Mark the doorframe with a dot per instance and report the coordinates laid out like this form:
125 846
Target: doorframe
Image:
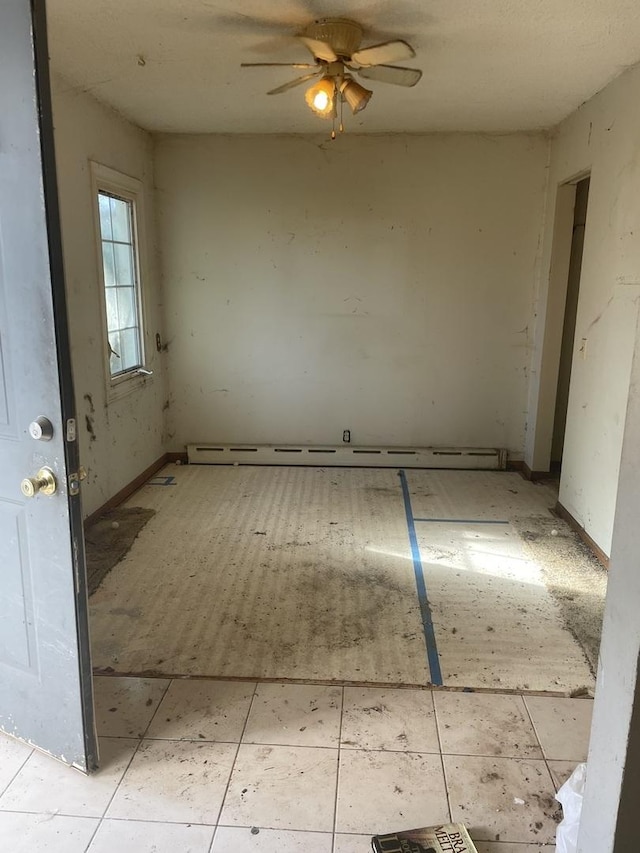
65 371
552 301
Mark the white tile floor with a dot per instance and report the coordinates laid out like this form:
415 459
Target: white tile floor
213 767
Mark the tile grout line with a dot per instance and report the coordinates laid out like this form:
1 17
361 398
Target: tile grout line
444 770
335 799
542 749
15 775
114 819
344 748
144 821
126 769
535 730
101 819
272 828
233 767
153 716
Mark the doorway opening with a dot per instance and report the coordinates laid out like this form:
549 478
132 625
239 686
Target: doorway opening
569 325
321 575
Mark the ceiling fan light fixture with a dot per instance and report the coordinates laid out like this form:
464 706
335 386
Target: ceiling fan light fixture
355 95
321 97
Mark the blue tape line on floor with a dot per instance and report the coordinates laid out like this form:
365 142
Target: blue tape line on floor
462 520
425 608
162 481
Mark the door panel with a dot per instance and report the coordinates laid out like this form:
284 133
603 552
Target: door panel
17 633
45 672
7 417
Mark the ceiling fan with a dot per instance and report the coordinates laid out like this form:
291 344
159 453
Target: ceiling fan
335 46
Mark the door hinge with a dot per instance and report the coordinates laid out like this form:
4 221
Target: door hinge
75 479
71 429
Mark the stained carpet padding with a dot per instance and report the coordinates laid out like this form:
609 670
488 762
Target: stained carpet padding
300 573
495 621
495 588
267 573
109 538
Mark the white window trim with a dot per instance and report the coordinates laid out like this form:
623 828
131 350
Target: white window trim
110 181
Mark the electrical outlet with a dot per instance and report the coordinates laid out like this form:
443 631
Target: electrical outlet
346 436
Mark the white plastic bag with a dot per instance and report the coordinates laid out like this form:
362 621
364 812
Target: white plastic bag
570 796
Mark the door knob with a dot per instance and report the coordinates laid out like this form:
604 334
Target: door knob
44 482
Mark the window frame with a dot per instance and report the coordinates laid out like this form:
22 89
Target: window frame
112 182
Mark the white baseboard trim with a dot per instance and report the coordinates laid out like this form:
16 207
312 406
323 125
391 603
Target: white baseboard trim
347 456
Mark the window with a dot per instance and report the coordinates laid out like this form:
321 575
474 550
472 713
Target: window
119 265
118 201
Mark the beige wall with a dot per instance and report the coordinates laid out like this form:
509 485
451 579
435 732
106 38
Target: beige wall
128 434
602 137
385 285
378 284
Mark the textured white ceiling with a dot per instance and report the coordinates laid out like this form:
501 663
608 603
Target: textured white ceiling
489 65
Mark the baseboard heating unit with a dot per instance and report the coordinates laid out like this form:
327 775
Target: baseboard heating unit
347 456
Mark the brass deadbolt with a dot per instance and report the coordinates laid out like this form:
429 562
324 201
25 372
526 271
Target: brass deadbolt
44 482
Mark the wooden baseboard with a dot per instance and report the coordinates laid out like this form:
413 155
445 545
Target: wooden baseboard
595 549
128 490
536 476
515 464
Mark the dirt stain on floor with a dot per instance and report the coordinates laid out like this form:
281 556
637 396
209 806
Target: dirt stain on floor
109 538
573 576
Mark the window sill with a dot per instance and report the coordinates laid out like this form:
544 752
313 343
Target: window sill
127 385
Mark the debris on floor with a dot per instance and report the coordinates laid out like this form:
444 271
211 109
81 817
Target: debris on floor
573 576
109 538
284 573
448 838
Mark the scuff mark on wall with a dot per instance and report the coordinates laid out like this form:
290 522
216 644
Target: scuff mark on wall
282 349
84 128
89 424
600 315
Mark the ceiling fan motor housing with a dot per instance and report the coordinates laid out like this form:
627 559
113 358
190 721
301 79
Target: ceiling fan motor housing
343 35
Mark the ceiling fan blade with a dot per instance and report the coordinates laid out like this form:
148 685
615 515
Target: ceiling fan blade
392 74
277 65
320 49
379 54
297 82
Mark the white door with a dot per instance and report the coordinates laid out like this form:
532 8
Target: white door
45 667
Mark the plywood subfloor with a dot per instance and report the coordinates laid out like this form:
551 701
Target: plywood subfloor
299 573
